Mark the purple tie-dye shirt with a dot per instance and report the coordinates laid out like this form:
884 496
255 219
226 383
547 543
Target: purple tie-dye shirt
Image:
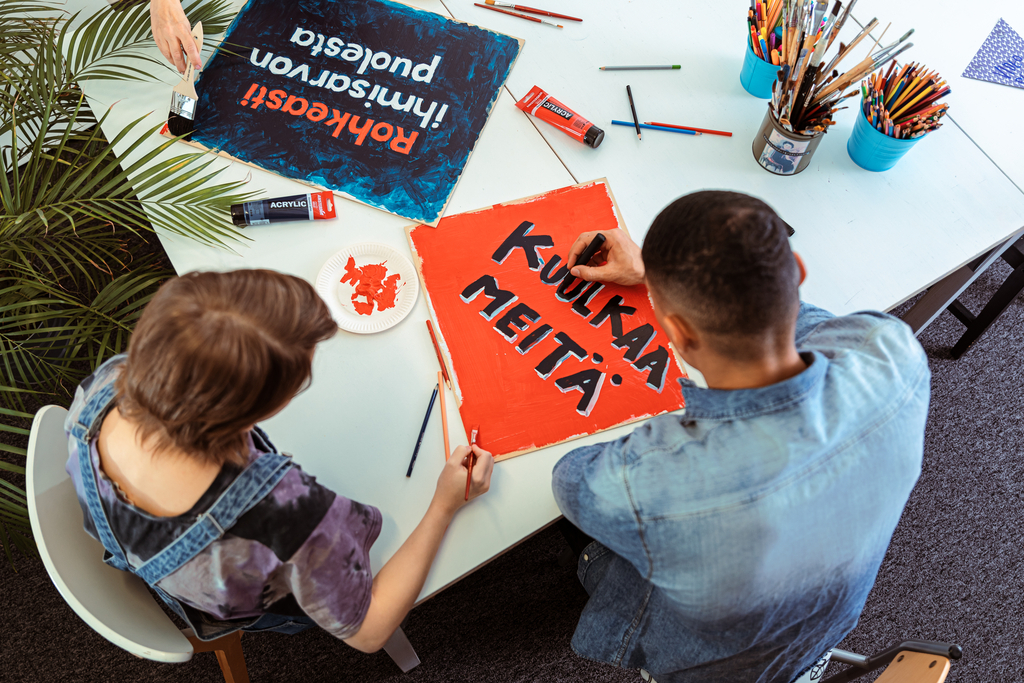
302 550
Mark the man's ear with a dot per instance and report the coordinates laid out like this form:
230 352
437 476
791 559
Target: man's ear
684 337
801 266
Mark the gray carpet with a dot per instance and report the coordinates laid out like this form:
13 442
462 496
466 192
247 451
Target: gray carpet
953 571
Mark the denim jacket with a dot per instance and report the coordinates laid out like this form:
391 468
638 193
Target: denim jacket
738 540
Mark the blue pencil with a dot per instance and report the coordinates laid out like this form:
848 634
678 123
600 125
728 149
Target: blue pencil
645 125
426 418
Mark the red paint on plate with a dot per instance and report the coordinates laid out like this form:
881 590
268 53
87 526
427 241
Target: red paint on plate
372 284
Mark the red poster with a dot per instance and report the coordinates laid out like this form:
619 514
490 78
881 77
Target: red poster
532 366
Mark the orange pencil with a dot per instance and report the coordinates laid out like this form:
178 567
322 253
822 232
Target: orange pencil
444 417
472 457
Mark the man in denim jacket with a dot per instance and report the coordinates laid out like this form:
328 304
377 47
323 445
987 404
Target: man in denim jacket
738 540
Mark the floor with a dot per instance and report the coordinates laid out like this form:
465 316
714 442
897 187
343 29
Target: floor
953 572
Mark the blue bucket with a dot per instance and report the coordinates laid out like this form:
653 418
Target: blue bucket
757 75
873 150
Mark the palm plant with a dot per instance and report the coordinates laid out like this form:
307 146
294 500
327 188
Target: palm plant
73 217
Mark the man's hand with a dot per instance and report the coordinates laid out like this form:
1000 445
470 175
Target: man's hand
173 33
622 262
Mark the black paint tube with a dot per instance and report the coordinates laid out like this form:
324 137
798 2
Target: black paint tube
299 207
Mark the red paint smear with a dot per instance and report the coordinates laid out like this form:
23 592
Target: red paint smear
501 391
370 282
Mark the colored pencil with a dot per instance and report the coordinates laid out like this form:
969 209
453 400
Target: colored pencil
472 458
440 358
903 104
642 68
423 428
632 108
517 14
697 130
531 10
667 129
444 419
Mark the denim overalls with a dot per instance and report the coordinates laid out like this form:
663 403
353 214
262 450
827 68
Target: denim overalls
248 489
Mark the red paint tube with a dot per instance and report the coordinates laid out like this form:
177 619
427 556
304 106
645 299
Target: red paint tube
546 108
299 207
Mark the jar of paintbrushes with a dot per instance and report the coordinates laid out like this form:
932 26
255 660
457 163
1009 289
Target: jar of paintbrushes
807 89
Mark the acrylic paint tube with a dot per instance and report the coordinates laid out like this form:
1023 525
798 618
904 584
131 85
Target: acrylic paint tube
299 207
546 108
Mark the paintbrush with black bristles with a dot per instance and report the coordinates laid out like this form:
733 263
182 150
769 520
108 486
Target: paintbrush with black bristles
181 117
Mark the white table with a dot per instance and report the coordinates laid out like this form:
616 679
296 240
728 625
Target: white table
870 240
946 38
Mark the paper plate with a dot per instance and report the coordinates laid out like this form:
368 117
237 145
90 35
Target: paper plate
370 309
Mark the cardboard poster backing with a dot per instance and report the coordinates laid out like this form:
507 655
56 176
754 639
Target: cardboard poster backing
254 163
530 411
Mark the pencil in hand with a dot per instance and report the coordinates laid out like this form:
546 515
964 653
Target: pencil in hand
472 458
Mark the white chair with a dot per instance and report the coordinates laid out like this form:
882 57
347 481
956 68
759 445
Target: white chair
115 604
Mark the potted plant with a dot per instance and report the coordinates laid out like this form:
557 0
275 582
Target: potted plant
78 256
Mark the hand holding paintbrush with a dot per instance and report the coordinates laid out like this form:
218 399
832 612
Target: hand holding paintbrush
449 495
181 117
474 466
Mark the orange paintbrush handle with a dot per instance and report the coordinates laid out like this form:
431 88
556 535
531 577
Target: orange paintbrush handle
472 458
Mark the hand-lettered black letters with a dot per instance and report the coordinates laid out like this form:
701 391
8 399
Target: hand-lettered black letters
613 310
520 238
519 316
489 286
566 347
587 381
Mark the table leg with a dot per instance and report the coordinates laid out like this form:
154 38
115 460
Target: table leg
993 309
945 291
400 650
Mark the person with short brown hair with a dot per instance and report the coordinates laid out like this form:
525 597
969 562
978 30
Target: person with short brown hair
185 491
736 540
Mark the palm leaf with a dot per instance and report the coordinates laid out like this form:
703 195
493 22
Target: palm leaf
47 333
71 290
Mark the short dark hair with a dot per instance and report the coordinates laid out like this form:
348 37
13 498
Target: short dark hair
724 258
214 353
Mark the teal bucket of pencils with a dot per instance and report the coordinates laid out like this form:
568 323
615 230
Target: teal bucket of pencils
897 110
757 75
872 149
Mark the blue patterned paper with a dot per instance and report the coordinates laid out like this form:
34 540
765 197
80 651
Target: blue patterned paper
1000 59
308 75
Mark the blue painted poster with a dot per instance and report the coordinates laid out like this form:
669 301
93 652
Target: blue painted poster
374 99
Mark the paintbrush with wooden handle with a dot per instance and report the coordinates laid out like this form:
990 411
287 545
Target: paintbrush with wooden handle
181 117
